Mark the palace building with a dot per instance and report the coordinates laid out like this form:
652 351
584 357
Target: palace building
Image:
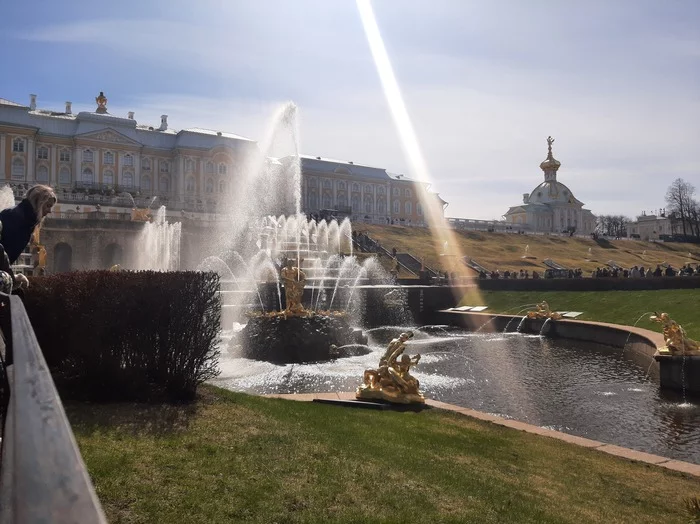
103 165
551 207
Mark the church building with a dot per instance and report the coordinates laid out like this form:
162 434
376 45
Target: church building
551 207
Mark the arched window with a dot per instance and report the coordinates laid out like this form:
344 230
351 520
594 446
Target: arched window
127 180
368 205
381 206
356 187
209 168
164 166
355 203
341 185
326 184
87 156
342 200
395 191
64 176
222 186
146 183
189 184
108 158
146 164
128 160
313 200
88 177
189 165
397 207
164 185
368 188
62 258
223 169
18 145
419 209
327 201
42 153
64 155
380 190
408 208
42 174
407 193
313 182
108 177
209 186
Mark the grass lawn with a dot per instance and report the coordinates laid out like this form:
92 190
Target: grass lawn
237 458
505 251
616 307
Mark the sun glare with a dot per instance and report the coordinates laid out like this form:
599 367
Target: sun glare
445 240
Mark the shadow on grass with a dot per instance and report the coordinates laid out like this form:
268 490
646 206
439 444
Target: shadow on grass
136 418
604 243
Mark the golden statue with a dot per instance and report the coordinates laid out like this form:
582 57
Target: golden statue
115 268
677 342
141 215
543 312
392 380
38 250
101 103
294 281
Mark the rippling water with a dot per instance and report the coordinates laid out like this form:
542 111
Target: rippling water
581 388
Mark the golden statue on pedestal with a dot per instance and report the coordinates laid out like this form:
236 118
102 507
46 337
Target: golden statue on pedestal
141 215
543 312
677 342
101 101
392 380
294 281
38 252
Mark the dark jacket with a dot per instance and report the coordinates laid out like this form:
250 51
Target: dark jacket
18 224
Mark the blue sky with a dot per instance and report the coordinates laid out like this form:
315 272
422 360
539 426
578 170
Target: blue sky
616 83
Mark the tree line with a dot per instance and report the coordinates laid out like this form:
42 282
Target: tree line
683 210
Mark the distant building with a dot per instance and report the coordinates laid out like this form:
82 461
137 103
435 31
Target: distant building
650 227
551 206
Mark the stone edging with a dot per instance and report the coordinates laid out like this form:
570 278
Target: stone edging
618 451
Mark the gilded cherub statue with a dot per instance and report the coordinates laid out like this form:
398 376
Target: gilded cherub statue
392 380
294 281
543 312
677 342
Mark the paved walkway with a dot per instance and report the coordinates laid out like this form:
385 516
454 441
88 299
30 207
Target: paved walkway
639 456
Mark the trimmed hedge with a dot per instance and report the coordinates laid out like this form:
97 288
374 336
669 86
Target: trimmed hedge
127 336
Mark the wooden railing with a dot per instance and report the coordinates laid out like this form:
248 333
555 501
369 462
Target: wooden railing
42 475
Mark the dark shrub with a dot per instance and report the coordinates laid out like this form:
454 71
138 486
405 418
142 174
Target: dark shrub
116 336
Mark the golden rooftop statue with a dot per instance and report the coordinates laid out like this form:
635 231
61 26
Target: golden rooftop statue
550 162
101 103
392 380
675 338
543 312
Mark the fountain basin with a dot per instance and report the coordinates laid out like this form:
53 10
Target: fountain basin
679 372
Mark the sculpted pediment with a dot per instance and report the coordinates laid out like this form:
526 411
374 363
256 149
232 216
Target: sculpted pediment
110 136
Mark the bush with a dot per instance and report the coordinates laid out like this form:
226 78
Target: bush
127 336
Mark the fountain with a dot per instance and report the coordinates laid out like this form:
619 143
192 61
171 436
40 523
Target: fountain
527 252
679 358
158 245
543 312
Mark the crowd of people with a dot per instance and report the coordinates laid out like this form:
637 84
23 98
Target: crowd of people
642 272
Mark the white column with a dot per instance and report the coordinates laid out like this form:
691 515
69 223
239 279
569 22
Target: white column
76 164
31 153
181 174
335 194
137 169
2 156
53 163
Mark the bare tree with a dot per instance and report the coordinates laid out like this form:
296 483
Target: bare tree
612 225
679 198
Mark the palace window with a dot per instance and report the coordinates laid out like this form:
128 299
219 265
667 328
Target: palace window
42 174
87 156
326 184
164 185
313 182
189 184
189 165
18 168
222 187
407 193
146 164
164 166
18 145
356 188
355 203
380 190
145 183
64 155
209 168
88 176
128 160
209 186
397 207
42 153
381 206
368 206
327 202
223 169
395 192
313 200
342 200
127 180
108 158
64 176
341 186
419 209
368 188
108 177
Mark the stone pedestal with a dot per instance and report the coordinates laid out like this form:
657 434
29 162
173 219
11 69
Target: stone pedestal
679 372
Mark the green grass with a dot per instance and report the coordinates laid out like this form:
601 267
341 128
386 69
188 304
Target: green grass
616 307
237 458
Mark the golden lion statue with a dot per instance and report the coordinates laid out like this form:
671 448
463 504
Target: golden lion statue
677 342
